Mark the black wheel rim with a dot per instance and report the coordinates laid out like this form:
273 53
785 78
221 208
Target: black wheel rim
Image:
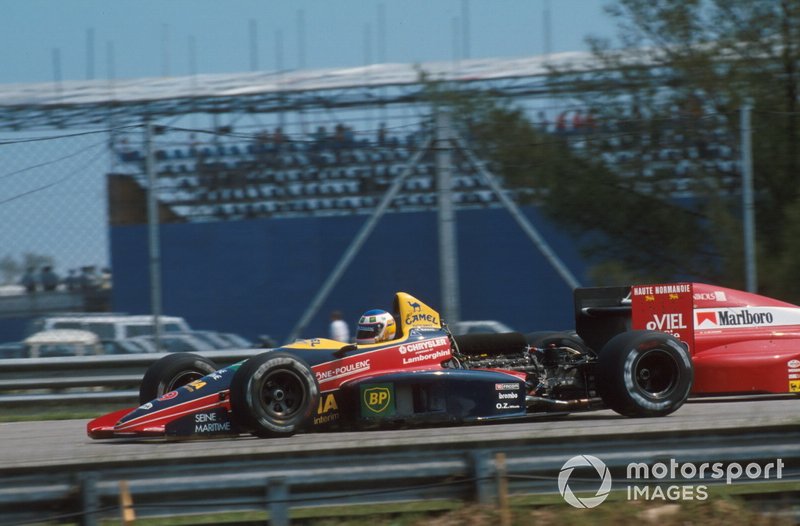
282 394
656 373
182 378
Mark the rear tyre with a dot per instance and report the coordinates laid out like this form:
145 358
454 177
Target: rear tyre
644 374
172 371
274 394
545 339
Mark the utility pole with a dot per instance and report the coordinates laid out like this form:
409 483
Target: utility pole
448 250
154 243
355 245
748 206
253 33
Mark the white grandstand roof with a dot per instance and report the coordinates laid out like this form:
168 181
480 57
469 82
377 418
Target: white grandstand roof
88 92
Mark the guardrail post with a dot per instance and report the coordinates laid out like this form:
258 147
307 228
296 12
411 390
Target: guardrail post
502 489
278 501
90 498
482 463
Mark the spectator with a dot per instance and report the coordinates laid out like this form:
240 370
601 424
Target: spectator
105 278
382 134
561 123
50 279
278 138
88 278
320 138
349 137
577 121
541 121
339 330
72 281
30 280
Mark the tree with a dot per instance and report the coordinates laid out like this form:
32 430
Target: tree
685 68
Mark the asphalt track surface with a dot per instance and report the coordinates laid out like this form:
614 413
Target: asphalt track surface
64 443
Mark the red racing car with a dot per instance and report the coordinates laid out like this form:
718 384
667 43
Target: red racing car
638 350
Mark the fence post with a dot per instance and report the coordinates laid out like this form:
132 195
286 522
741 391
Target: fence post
90 499
127 513
748 203
277 501
482 473
502 489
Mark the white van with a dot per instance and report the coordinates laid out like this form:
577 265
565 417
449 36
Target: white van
112 326
62 342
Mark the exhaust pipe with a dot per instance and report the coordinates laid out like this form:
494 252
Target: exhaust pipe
562 405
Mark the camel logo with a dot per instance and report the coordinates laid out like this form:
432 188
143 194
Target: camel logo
416 306
584 461
376 400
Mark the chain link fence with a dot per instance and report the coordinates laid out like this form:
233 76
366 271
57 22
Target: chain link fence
53 211
254 216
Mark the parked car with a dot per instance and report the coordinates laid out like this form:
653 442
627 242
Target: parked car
13 350
62 342
220 340
112 326
128 346
478 327
175 342
236 341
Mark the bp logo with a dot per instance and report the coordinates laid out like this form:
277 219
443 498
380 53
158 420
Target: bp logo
584 461
377 400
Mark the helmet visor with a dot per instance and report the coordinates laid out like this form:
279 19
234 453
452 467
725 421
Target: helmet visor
369 331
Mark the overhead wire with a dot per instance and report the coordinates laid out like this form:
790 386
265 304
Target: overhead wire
57 182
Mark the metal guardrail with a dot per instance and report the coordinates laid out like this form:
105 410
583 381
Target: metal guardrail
360 475
26 381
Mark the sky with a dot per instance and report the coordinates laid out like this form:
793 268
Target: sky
45 40
153 37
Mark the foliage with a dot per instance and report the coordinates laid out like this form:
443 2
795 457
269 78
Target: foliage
686 69
651 182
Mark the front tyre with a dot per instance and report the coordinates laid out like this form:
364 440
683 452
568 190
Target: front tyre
644 374
274 394
172 371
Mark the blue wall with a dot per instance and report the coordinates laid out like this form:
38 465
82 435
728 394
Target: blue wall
258 276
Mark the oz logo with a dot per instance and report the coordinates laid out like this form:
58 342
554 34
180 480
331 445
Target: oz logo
584 461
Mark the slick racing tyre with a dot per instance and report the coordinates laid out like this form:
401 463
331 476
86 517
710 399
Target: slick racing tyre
274 394
644 373
173 371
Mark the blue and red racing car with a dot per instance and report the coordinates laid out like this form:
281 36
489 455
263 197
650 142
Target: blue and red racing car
638 350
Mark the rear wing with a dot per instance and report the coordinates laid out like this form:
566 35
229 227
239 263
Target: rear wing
603 312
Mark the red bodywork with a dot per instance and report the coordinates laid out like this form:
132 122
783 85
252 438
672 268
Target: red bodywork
740 342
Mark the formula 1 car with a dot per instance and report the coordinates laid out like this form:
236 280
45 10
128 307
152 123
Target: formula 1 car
638 350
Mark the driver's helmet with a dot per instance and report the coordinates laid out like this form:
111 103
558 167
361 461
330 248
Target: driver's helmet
375 326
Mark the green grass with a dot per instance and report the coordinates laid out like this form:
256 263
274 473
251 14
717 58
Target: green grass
722 507
53 411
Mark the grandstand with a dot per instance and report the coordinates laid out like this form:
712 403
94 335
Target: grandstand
263 178
318 150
